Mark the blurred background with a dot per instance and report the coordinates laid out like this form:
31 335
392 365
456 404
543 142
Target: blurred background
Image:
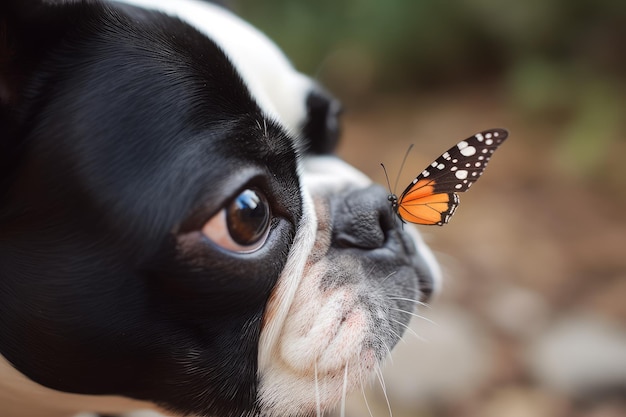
532 317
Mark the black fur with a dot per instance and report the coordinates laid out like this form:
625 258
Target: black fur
115 131
322 126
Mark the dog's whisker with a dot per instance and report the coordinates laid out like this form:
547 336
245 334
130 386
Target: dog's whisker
381 379
419 303
382 341
388 350
379 374
415 315
410 330
397 335
345 390
368 274
388 276
362 387
318 403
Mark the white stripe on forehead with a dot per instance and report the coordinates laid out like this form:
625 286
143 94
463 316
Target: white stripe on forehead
279 90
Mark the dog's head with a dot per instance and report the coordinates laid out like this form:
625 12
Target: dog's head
173 228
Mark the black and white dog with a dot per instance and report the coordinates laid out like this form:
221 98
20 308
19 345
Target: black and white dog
175 234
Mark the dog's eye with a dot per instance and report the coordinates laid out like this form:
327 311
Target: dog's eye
243 225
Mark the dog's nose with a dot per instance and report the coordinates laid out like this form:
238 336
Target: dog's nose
362 218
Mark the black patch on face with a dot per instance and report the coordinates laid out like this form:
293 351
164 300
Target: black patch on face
123 129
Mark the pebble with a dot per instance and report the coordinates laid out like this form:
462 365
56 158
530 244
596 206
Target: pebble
579 355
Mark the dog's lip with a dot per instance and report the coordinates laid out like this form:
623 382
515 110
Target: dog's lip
330 339
352 321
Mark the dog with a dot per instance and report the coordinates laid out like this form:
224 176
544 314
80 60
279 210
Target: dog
175 232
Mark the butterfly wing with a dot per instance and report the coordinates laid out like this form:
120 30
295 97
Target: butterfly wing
432 197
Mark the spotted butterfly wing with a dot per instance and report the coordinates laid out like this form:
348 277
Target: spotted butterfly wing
431 198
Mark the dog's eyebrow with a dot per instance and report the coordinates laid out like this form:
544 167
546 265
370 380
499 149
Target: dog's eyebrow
264 128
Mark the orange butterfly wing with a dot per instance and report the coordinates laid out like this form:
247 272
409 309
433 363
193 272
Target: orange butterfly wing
422 205
431 199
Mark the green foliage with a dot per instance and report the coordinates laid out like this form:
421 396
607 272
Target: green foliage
559 61
419 42
586 142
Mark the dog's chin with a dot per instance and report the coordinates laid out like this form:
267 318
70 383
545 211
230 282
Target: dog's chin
347 308
327 347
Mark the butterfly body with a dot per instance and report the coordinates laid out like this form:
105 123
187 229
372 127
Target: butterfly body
431 198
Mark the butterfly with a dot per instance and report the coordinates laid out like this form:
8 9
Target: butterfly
432 198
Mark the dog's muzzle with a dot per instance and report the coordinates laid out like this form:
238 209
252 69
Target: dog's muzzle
364 221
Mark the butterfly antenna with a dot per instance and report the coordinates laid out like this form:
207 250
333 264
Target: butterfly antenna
386 177
406 155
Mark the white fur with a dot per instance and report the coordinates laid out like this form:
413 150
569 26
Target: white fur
323 172
288 283
280 91
315 173
315 345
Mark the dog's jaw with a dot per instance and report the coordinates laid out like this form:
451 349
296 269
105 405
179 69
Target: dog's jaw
327 329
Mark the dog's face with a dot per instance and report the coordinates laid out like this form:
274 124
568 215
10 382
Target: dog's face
173 229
